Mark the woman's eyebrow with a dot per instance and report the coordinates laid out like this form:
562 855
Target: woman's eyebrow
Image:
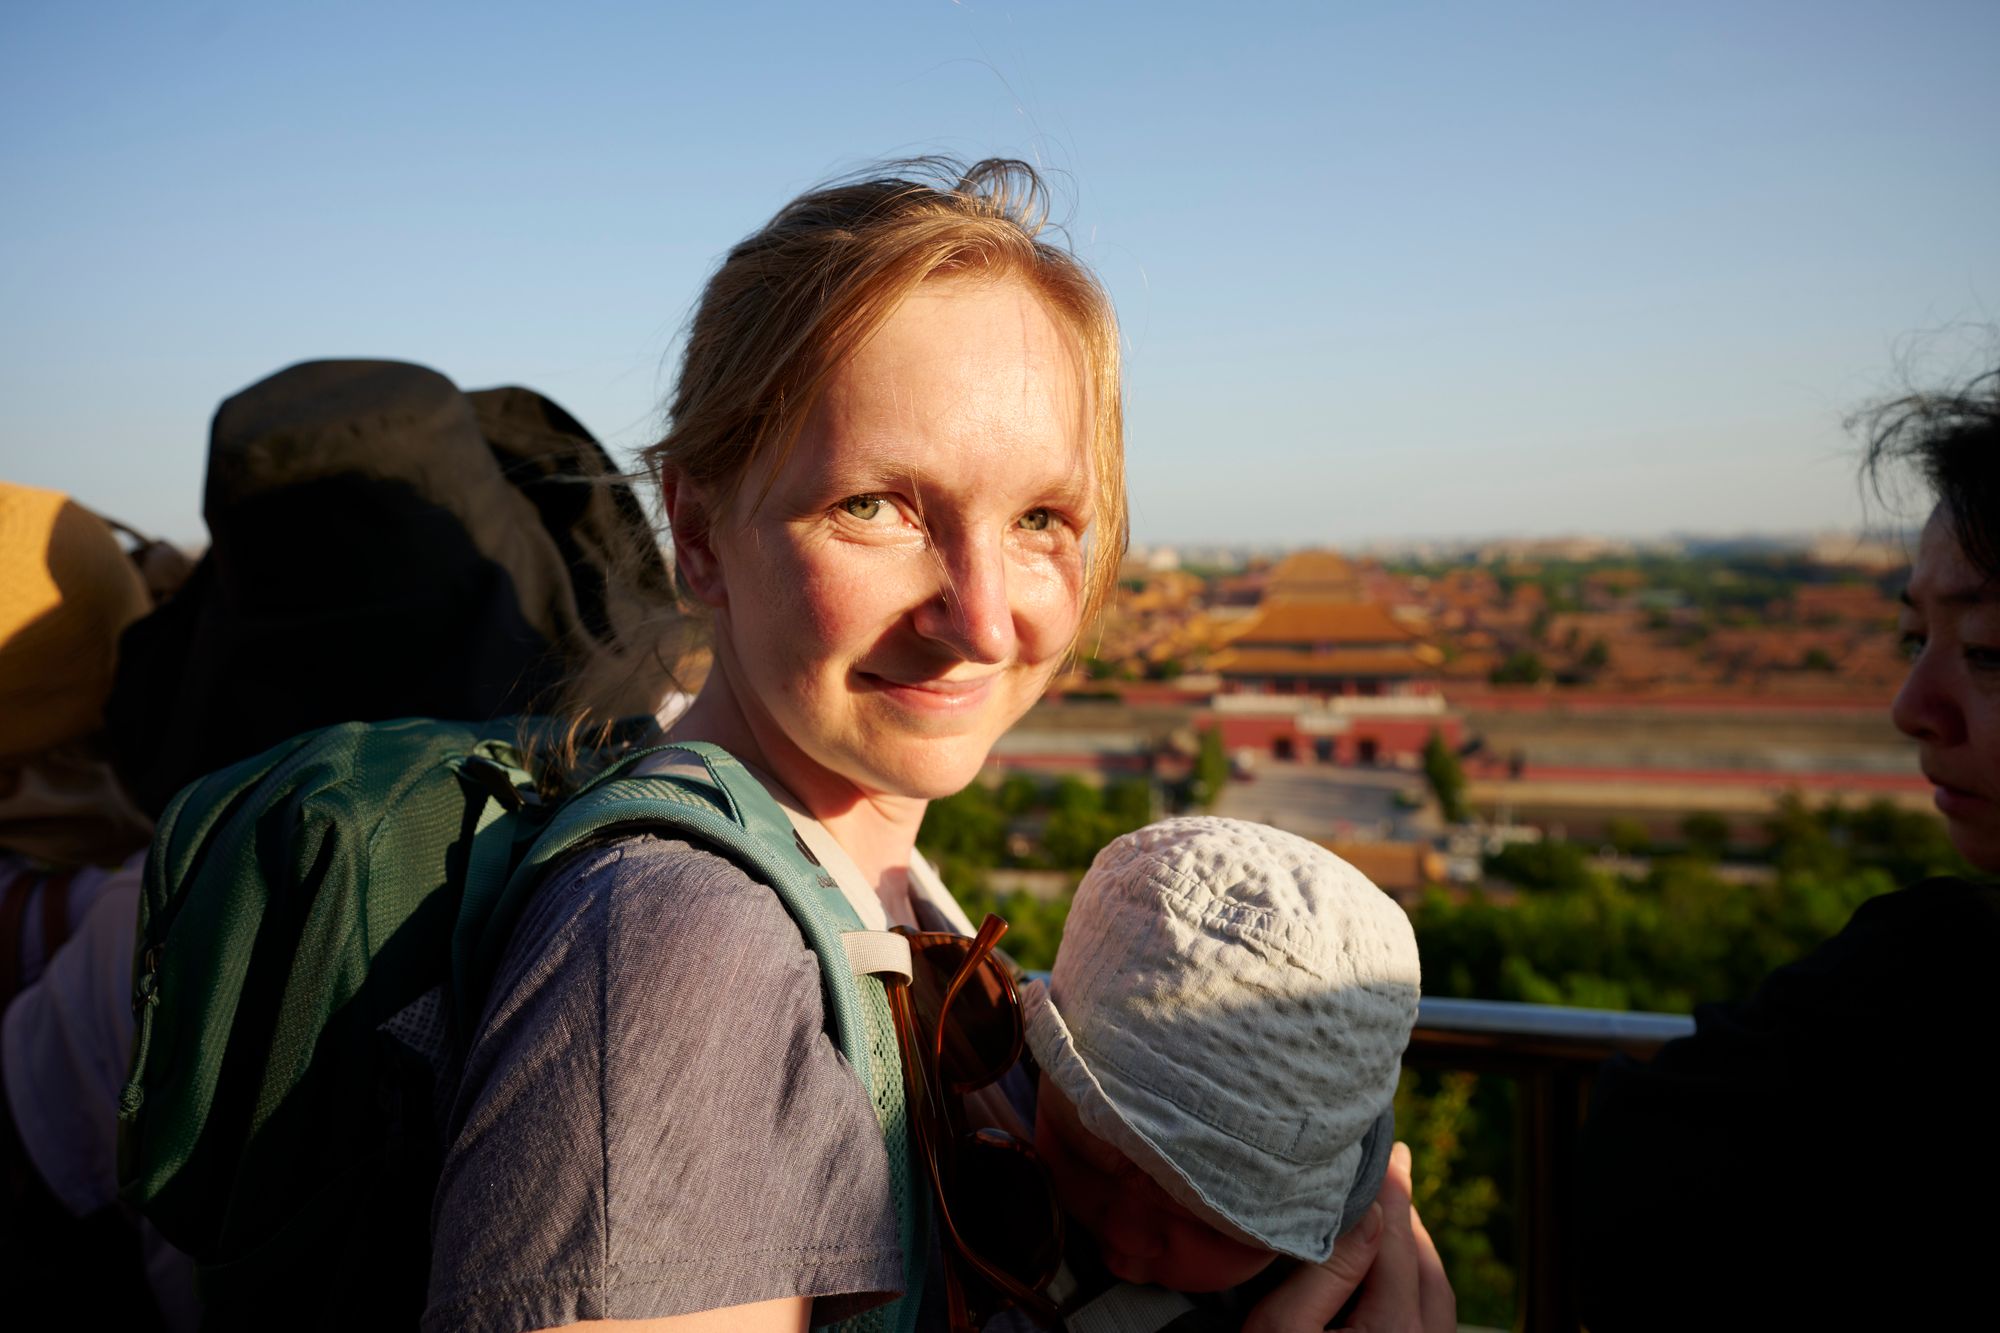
1979 594
869 471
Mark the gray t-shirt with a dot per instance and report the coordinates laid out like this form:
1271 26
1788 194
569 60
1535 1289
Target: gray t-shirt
651 1118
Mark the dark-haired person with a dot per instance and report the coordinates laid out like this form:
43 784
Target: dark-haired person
1820 1155
71 848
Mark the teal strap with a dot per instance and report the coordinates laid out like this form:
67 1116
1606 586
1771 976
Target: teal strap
743 798
486 875
729 811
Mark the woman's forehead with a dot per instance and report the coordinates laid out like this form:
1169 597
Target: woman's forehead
972 377
1942 572
996 338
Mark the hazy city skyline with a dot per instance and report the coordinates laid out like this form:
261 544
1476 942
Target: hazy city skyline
1385 274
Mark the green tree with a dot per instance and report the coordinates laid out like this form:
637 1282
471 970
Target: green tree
967 826
1211 769
1074 796
1521 668
1446 777
1908 844
1454 1165
1034 924
1085 818
1628 837
1548 864
1019 794
1128 803
1707 834
1807 844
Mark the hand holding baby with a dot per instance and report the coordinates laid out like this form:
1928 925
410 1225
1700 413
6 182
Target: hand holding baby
1400 1276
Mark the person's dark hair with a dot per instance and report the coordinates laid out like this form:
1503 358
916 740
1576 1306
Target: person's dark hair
1952 441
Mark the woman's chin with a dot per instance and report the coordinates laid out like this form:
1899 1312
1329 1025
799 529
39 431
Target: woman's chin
1977 841
927 771
936 783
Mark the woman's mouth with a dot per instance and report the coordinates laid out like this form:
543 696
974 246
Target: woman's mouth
1958 803
931 695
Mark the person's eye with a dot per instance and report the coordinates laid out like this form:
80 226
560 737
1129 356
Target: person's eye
1039 520
1910 645
1982 659
866 508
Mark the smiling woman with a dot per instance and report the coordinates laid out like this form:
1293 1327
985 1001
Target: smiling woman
894 481
915 569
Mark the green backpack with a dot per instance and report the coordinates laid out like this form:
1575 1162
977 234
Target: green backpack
319 923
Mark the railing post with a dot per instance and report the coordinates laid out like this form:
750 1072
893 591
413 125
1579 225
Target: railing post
1553 1053
1548 1121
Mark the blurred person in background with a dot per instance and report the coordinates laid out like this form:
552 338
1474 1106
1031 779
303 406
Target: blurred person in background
384 545
1818 1155
71 848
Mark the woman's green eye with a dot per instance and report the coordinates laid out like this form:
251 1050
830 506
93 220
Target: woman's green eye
863 507
1038 520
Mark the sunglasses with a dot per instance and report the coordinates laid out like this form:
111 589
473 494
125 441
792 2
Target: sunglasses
958 1022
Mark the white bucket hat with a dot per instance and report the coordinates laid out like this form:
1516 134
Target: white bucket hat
1229 1011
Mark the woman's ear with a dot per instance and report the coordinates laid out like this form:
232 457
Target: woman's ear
696 568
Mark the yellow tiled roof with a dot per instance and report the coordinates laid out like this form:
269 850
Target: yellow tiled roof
1308 620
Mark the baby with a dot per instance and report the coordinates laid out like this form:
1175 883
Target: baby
1218 1044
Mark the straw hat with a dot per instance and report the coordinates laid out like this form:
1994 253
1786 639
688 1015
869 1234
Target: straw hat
67 589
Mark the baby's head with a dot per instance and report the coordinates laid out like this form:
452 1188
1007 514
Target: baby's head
1219 1043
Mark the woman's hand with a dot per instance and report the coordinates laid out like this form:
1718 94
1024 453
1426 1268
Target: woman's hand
1388 1258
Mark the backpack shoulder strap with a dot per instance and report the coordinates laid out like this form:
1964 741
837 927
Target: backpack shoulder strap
718 804
725 809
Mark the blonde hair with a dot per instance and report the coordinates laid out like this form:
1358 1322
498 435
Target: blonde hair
795 300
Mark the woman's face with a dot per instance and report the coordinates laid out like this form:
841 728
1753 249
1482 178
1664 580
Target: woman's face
1950 702
914 576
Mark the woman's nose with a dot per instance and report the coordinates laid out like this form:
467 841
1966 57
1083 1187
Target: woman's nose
1926 708
971 612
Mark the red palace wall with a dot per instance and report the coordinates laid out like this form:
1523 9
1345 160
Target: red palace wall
1383 740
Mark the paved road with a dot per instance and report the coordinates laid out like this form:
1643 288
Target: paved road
1326 802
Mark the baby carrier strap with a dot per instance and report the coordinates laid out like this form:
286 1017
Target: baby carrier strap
728 811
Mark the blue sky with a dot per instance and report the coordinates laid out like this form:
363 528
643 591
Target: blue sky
1385 270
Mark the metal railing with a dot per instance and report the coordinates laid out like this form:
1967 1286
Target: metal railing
1553 1054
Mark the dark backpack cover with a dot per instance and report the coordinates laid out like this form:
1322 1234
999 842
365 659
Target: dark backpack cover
382 546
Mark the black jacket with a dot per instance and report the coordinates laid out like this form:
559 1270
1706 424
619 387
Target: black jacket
1821 1155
